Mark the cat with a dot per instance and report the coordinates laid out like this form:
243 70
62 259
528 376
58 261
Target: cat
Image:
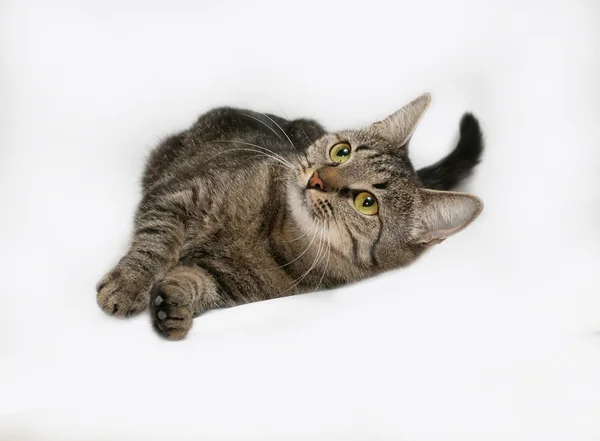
246 206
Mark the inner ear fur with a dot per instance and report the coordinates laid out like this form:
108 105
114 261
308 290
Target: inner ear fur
444 213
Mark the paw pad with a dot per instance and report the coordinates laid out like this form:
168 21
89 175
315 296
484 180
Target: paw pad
171 314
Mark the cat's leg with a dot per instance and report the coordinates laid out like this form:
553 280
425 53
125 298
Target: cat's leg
184 293
158 237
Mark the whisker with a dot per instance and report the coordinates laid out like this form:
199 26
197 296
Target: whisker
266 150
313 266
327 263
283 178
302 235
271 156
301 125
283 111
307 248
322 258
263 123
282 131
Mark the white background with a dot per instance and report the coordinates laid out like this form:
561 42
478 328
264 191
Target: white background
493 335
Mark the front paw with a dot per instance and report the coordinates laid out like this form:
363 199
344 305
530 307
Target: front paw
171 310
124 291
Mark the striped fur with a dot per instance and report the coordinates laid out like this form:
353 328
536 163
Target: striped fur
226 217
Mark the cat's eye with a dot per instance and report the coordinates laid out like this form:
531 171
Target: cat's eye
366 203
340 152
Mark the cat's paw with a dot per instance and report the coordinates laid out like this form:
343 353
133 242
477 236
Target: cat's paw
124 291
171 310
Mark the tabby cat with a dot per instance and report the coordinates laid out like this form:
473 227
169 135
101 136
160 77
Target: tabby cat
246 206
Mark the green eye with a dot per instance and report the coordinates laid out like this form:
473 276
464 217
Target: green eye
366 203
340 152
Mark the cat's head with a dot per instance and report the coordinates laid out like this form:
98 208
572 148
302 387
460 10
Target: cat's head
360 186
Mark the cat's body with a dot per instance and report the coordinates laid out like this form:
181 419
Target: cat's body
237 210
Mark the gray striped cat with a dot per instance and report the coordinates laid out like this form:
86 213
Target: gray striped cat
246 206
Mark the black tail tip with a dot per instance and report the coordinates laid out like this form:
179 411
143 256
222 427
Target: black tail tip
471 137
469 125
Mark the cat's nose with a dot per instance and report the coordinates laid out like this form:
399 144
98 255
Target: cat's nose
316 183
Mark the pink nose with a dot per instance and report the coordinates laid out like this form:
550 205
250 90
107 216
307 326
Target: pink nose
316 183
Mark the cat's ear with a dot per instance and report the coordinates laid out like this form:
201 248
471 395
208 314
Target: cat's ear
444 213
401 124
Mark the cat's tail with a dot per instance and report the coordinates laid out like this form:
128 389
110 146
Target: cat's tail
447 173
